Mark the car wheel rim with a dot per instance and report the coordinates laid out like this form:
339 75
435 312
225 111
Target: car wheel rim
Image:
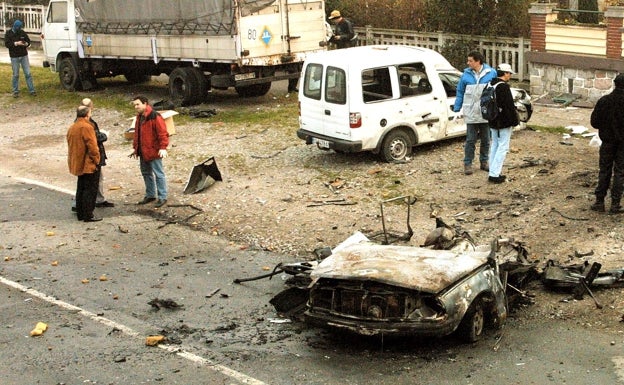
397 150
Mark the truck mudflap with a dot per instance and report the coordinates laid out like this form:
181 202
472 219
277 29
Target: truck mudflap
329 143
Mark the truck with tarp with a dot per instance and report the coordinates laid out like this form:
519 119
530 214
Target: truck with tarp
199 44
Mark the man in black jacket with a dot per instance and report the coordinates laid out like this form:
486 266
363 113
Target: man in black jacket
343 34
503 124
608 118
17 41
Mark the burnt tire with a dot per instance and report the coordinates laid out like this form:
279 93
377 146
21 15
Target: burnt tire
253 90
471 326
69 75
396 146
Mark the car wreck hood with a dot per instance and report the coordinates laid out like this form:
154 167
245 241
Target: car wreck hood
405 266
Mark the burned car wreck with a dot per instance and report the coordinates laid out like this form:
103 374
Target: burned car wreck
373 289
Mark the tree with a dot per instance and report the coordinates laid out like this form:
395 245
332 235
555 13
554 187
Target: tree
508 18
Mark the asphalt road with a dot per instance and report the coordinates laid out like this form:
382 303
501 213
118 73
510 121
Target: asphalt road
98 327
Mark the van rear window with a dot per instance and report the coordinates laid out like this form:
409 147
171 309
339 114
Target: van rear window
312 81
335 86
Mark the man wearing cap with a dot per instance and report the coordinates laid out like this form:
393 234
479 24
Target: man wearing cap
503 124
17 41
343 34
608 118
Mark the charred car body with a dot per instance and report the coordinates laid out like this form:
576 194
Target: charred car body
373 289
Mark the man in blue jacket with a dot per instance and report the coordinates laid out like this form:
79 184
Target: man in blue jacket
467 101
17 41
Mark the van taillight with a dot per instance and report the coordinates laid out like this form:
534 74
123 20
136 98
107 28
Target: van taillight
355 119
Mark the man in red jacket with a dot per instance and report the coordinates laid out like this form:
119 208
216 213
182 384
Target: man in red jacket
83 159
150 146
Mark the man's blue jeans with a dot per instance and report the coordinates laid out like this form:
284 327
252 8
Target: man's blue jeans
154 177
22 61
474 131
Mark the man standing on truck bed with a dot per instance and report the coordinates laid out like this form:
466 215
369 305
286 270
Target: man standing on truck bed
468 98
17 41
343 35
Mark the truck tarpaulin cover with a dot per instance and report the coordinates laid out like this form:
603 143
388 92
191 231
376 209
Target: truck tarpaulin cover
169 17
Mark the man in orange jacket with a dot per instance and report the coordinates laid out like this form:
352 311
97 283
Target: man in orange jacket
83 159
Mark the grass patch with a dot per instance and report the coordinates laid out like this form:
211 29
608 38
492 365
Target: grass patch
551 130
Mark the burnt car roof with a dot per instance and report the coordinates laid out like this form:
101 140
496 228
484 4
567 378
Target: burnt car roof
406 266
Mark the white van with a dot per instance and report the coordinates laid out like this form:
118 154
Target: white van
384 99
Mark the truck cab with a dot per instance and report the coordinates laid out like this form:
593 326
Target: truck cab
384 99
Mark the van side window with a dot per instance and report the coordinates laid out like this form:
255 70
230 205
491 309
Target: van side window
376 84
413 79
57 12
335 86
312 81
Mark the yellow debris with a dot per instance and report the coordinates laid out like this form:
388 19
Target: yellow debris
85 281
49 233
154 340
54 263
103 277
39 329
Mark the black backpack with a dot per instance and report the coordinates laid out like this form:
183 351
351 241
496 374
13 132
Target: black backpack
489 107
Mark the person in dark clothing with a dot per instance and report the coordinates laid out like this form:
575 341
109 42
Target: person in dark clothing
17 41
343 34
83 159
608 118
502 126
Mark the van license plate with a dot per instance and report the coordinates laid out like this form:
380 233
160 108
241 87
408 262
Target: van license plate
321 142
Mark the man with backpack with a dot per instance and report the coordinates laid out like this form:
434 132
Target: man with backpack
343 33
467 101
502 118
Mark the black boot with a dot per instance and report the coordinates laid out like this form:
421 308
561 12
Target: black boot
616 208
598 205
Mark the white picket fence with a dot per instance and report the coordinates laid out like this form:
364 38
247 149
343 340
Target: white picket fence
496 50
31 15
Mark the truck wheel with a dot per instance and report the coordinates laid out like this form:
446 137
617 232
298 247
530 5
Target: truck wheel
201 85
253 90
181 87
136 77
69 75
471 326
396 146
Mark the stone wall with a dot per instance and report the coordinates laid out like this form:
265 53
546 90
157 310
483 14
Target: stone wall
589 84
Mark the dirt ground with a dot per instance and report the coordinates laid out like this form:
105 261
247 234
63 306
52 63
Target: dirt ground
280 195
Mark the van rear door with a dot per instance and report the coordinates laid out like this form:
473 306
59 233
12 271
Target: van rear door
324 109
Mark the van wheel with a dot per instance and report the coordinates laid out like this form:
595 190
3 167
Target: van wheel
396 146
69 76
471 327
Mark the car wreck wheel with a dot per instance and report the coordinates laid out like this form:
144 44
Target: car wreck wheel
471 327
